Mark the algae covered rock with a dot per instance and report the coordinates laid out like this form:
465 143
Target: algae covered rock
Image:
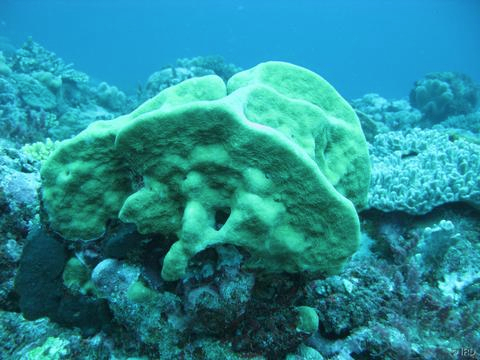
274 162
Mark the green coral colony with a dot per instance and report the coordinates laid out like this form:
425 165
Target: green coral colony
276 154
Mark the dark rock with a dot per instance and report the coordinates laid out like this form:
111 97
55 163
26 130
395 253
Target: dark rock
39 279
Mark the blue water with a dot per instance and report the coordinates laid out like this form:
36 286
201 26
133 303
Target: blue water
359 46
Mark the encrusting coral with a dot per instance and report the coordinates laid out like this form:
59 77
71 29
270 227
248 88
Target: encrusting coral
418 170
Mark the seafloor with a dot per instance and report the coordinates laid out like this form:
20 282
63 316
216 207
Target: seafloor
411 291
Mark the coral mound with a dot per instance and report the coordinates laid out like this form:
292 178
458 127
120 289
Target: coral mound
275 162
443 94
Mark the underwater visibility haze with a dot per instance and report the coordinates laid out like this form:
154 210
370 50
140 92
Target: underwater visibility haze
239 179
377 46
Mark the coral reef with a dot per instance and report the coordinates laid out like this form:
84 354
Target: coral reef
213 188
39 150
416 170
19 207
41 96
42 340
40 286
387 114
388 304
410 291
145 314
442 94
186 69
469 122
211 64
